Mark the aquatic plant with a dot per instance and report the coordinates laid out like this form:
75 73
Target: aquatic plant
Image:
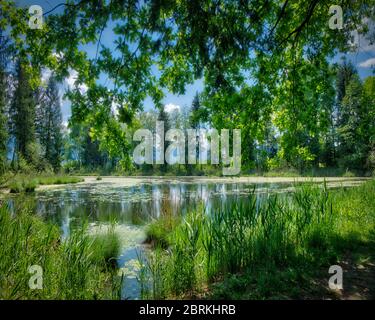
68 269
305 230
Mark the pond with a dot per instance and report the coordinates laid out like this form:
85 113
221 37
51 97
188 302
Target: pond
133 203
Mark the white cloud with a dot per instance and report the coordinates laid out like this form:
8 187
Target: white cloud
360 42
71 82
46 74
368 63
170 107
58 55
115 106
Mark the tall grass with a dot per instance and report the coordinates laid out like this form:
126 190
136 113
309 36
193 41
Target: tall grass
28 183
58 179
72 267
306 229
106 248
17 186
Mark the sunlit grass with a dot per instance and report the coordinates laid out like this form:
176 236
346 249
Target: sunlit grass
253 243
58 180
73 268
28 183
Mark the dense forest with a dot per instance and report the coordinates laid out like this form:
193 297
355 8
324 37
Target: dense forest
338 133
298 110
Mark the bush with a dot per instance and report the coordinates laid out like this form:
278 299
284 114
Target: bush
71 166
30 186
58 180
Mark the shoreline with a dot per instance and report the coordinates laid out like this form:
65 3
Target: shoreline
118 181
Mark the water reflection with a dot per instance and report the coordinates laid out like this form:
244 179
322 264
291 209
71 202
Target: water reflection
132 207
135 205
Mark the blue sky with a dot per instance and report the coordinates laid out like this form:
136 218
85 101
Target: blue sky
363 59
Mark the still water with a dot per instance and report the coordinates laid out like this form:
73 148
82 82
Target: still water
133 206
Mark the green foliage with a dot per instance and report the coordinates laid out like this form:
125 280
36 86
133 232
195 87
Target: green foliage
159 230
49 124
266 54
265 73
3 105
69 272
251 242
23 115
28 183
17 186
58 179
106 248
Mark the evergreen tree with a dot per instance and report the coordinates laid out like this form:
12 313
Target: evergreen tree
367 127
345 74
351 148
331 152
23 115
50 124
83 150
163 116
3 103
194 116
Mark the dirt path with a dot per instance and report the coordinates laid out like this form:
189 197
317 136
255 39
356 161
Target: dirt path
358 277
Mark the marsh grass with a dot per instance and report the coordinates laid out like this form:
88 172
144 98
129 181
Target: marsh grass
106 248
28 183
255 243
19 186
158 232
48 180
69 269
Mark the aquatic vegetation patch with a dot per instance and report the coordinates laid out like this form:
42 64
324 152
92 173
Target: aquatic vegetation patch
252 242
71 268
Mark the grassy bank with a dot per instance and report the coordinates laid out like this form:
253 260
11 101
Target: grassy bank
28 183
260 250
78 267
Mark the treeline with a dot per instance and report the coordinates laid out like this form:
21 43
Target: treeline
32 135
293 137
341 136
31 121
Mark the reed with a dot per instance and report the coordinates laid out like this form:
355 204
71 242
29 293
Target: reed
69 270
304 230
